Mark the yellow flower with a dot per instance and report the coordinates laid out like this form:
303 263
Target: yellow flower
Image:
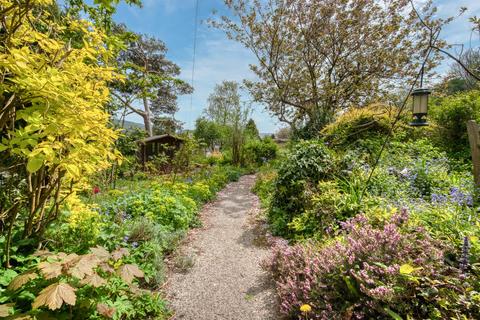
305 308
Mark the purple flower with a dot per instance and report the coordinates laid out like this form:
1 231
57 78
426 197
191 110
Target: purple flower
368 257
438 198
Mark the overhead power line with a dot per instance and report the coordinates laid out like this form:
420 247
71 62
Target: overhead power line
195 31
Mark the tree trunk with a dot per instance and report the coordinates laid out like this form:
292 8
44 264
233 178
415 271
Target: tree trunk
147 118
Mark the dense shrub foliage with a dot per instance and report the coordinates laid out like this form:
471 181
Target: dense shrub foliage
402 246
309 163
139 223
260 151
359 123
452 113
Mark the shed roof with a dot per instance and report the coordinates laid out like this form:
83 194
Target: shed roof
159 137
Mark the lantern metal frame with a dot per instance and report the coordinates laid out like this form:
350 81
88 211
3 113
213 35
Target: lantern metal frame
419 119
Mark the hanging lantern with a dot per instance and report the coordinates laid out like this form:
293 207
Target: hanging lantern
420 107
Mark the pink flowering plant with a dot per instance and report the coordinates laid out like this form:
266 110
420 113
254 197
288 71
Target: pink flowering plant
390 269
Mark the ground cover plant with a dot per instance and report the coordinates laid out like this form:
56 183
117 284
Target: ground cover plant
113 249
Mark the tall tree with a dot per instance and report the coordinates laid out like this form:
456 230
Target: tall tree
251 129
150 81
315 58
222 102
167 124
469 60
227 110
208 132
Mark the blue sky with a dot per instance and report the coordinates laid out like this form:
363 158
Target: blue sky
218 58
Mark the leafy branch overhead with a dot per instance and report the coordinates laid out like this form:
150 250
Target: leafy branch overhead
317 58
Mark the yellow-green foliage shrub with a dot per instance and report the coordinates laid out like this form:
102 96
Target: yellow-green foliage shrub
358 123
78 228
320 212
264 185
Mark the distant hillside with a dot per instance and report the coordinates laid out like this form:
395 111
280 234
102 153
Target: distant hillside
128 125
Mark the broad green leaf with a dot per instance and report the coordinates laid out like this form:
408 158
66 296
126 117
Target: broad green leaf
35 163
7 276
392 314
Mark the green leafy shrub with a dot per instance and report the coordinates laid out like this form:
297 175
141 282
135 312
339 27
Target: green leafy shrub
451 114
163 206
78 228
320 213
150 242
451 222
331 203
306 165
260 151
127 141
264 186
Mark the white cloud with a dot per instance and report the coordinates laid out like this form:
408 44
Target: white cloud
218 59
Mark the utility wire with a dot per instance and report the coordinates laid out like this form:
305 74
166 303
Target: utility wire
195 31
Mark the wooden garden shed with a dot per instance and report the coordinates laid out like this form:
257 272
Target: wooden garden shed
166 144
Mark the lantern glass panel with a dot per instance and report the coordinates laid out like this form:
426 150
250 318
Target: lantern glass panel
417 104
424 103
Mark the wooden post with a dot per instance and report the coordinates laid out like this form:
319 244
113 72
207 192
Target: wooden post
474 138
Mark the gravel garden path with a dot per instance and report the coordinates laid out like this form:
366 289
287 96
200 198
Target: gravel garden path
217 273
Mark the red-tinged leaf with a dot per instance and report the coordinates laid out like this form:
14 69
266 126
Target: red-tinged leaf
101 253
94 280
136 290
120 253
129 271
50 270
83 266
107 268
43 253
105 310
70 259
54 296
5 309
21 279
